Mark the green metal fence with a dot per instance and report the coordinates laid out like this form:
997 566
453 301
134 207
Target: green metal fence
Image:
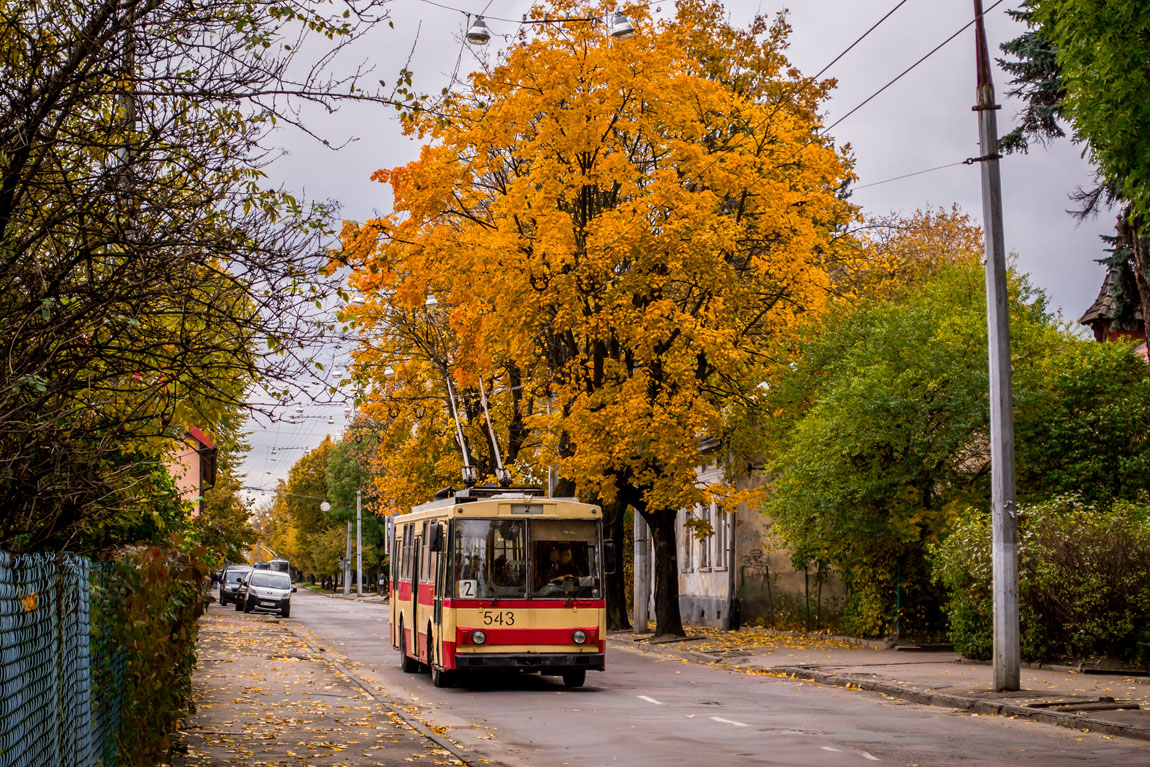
60 691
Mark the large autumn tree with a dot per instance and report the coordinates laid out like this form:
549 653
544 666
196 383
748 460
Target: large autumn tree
626 227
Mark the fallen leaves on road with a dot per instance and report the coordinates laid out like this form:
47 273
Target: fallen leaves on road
757 640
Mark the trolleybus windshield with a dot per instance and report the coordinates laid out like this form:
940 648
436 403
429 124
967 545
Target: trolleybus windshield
516 559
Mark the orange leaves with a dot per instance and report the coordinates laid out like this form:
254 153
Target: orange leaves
629 226
898 254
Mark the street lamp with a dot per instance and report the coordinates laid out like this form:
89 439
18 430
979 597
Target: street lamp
622 28
618 26
477 33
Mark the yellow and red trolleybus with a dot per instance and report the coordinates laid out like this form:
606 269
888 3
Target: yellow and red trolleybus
494 578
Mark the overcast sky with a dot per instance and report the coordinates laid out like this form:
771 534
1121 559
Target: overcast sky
923 121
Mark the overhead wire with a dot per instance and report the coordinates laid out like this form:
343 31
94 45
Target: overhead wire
906 71
787 98
822 133
910 175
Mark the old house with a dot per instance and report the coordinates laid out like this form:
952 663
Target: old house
192 464
1117 313
740 574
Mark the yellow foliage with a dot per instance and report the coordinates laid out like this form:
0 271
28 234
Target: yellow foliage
899 253
617 235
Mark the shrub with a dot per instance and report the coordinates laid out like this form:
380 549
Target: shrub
147 609
1084 581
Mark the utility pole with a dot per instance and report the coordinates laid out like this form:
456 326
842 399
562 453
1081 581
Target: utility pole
1004 525
358 538
642 575
347 559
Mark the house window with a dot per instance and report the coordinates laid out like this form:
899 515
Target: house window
722 522
688 542
705 543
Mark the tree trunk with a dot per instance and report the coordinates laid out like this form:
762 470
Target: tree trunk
615 586
667 617
1139 244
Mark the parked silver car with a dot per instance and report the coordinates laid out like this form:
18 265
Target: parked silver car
230 581
265 590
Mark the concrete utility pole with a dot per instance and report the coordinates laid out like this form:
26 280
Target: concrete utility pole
642 585
347 559
358 541
1004 525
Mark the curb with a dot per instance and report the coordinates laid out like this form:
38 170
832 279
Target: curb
966 703
371 600
960 702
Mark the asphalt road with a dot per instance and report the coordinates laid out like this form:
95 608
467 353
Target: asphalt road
648 710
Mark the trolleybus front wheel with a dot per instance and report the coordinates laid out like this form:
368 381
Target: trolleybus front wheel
438 678
575 677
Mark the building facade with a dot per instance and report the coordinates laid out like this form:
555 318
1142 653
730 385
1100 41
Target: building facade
192 465
741 574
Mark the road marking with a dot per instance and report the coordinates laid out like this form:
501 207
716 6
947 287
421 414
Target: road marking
727 721
649 699
828 748
872 758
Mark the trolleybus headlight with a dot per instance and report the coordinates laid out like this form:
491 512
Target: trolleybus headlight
478 636
580 636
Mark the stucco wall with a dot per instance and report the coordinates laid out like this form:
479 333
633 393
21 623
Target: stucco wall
771 591
184 467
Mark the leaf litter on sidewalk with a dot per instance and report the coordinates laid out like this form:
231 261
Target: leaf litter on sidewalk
265 699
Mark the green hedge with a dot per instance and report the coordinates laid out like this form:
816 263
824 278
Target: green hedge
147 608
1084 582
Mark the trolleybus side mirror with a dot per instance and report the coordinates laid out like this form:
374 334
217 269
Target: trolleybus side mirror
436 541
609 559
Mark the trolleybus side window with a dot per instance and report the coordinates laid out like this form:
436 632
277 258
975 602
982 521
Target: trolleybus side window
405 571
564 557
424 556
490 558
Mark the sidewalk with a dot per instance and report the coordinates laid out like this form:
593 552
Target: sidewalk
265 696
1111 704
370 597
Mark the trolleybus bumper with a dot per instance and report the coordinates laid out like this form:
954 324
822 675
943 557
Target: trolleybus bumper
547 663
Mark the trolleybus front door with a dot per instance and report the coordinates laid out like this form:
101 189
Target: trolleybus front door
440 540
415 597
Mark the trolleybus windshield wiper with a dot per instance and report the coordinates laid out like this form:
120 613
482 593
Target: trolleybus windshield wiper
575 595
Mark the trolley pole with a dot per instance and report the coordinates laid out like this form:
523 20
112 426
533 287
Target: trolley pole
1004 525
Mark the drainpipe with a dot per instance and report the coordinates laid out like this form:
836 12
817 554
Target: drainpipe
733 608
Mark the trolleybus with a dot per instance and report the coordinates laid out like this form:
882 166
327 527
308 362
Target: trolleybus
494 578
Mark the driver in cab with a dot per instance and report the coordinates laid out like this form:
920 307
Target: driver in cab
562 573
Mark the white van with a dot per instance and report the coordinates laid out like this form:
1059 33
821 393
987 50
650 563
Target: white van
265 590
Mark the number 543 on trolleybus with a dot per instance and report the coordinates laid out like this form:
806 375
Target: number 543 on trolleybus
495 578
